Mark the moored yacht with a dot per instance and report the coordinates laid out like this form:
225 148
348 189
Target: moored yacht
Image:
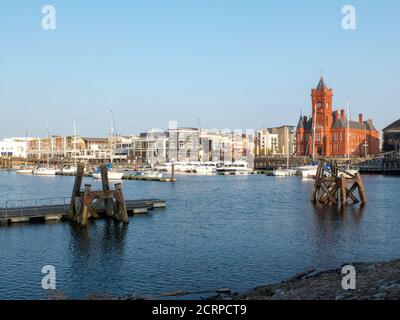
151 174
112 174
70 169
44 171
206 168
238 167
309 171
25 170
350 172
284 172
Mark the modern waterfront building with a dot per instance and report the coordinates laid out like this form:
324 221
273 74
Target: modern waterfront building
278 140
183 144
334 134
266 142
391 137
87 149
149 148
14 147
225 145
155 147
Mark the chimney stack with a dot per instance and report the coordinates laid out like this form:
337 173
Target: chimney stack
360 118
343 114
335 115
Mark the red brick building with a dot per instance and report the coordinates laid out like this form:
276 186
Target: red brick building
335 135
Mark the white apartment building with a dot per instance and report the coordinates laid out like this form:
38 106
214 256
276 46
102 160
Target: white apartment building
267 142
14 147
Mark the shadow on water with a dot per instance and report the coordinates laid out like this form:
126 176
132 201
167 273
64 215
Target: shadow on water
324 213
112 235
335 228
99 246
80 241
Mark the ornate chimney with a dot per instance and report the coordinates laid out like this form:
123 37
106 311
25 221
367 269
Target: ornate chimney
343 114
335 115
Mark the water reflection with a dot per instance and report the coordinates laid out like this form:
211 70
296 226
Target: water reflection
114 236
339 212
80 241
94 249
334 227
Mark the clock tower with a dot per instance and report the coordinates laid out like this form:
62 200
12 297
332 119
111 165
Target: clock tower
322 118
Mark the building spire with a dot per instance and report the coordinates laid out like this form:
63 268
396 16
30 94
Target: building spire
321 84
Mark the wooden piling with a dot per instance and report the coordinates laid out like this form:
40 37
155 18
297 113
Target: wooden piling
106 188
122 211
343 190
86 205
83 203
76 191
361 189
332 184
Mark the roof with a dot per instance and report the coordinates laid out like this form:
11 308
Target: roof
365 125
95 139
395 126
321 84
309 124
300 125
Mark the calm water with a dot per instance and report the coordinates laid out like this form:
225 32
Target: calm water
236 232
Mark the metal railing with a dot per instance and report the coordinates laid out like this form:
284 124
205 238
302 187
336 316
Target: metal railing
35 207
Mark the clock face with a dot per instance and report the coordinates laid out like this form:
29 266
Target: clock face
319 105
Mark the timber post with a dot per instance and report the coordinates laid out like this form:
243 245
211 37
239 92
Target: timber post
361 189
343 190
122 211
76 191
332 184
106 188
86 205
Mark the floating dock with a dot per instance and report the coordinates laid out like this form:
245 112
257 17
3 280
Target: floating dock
144 178
127 177
58 212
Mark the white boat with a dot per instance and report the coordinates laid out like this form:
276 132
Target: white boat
25 170
112 175
70 169
309 171
206 168
151 174
353 172
166 167
44 171
284 172
186 167
238 167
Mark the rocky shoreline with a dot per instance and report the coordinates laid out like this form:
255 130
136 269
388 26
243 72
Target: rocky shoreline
374 281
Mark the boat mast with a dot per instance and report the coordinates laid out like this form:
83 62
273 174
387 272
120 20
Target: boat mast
313 134
348 129
50 144
26 148
111 136
75 159
287 156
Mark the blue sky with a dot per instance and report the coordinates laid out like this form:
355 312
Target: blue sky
230 63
